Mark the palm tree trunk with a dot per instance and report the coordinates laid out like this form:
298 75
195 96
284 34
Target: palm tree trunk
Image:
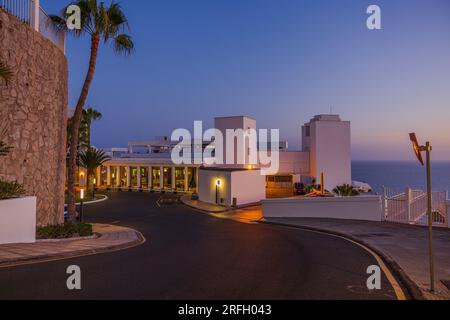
76 128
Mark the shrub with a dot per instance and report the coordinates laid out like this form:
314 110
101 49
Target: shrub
65 231
9 190
346 190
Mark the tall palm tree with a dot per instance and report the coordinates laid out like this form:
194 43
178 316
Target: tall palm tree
89 115
5 73
102 25
91 159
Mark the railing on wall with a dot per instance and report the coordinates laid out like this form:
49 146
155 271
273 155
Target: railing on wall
411 207
19 8
30 12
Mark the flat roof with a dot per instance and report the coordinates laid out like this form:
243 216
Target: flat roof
226 169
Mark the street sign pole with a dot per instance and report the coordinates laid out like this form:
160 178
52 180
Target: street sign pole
418 149
428 149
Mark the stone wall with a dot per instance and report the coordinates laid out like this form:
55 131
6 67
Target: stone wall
33 109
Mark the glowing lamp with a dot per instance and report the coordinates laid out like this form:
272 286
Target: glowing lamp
82 194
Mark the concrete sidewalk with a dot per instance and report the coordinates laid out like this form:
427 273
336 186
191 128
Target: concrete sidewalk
202 206
402 246
108 238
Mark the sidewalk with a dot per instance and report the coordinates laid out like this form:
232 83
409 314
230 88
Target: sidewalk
110 238
251 215
203 206
402 246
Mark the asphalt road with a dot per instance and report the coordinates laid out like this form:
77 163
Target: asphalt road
190 255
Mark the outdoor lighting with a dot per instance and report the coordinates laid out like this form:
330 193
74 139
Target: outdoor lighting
81 205
218 183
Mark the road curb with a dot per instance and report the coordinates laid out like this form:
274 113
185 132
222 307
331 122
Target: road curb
75 254
412 290
203 210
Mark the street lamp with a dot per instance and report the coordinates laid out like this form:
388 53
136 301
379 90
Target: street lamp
81 204
93 188
218 183
418 149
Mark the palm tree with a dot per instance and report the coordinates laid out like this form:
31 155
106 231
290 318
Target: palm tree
101 24
91 159
5 73
346 190
89 115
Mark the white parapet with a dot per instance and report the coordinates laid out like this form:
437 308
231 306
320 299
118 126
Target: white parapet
366 208
18 220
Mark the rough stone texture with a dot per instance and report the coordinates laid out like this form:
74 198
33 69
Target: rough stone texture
33 108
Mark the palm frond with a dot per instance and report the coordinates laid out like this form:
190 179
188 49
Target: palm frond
123 44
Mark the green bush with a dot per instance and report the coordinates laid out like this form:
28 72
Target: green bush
65 231
9 190
346 190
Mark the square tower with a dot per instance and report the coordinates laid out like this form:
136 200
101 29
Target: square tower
328 140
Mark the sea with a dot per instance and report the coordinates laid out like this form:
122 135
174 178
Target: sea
398 175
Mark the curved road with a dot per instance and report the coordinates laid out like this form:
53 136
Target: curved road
189 255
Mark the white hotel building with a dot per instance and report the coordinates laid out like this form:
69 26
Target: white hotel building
147 166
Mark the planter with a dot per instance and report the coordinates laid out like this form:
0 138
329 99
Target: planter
18 220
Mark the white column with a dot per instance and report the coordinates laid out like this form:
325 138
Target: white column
128 170
161 178
139 182
35 14
150 178
108 175
98 177
186 179
118 176
173 178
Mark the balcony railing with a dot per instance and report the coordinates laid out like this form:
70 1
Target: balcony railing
30 12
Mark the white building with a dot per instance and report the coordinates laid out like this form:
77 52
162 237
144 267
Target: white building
147 165
327 139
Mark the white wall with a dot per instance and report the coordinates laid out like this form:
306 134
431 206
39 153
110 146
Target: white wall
18 220
207 180
351 208
248 187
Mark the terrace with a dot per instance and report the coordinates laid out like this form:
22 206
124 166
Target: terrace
31 13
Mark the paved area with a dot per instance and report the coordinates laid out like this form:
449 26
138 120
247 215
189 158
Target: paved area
191 255
108 238
202 206
406 245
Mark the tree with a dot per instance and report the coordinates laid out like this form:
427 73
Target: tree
89 115
91 159
346 190
5 73
100 24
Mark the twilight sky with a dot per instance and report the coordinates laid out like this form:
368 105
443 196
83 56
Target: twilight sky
279 61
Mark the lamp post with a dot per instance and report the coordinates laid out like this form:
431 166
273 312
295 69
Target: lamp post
93 188
418 149
81 204
218 183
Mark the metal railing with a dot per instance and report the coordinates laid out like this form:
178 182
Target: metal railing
30 12
18 8
411 207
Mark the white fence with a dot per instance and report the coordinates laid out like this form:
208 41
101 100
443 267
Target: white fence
411 207
366 208
30 12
